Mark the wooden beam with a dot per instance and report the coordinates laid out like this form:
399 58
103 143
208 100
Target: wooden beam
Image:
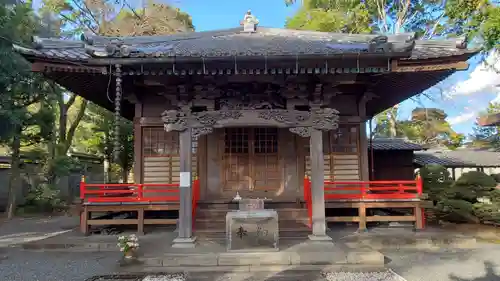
54 67
397 66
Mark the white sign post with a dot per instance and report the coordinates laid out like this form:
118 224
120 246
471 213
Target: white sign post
185 179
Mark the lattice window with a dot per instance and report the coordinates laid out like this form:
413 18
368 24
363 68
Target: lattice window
158 142
236 140
266 140
345 139
161 156
341 154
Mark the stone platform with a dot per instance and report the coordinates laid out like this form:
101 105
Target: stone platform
291 254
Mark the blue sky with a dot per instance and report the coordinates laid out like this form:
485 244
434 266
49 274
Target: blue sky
473 88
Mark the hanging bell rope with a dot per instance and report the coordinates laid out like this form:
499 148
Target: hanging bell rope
118 99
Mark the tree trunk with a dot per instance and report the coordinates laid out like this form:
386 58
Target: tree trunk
124 175
15 174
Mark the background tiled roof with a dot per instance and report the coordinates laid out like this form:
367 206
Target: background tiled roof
465 157
394 144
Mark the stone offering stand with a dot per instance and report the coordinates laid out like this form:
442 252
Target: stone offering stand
252 228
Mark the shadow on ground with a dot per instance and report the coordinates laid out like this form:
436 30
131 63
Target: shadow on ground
488 276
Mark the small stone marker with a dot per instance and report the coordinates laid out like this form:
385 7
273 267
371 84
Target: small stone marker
252 231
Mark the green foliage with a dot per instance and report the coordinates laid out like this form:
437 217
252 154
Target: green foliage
487 137
341 16
478 20
496 177
45 198
462 202
99 126
454 141
428 126
115 18
436 180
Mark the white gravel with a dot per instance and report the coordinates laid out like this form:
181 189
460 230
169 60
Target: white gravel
169 277
363 276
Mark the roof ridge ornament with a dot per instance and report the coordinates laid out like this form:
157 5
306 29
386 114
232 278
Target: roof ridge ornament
249 22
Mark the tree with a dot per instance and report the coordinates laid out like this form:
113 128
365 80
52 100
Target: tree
110 18
472 198
23 114
101 141
487 137
331 16
105 17
431 126
475 19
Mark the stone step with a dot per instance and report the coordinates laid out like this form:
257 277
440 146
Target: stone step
221 213
285 224
225 204
319 255
219 234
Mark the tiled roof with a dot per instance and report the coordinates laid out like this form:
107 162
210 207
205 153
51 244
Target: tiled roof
235 42
467 157
394 144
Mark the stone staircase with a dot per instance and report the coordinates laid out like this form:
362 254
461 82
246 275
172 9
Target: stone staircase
210 221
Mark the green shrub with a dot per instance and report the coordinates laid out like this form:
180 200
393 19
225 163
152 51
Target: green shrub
496 177
460 202
44 198
436 180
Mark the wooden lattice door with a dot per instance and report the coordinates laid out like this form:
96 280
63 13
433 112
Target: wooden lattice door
236 158
251 161
265 169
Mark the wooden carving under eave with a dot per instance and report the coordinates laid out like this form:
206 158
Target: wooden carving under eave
461 65
54 67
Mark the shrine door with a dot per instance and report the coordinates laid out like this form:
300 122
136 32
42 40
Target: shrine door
251 162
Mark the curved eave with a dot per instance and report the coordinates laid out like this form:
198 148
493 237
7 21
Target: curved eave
489 120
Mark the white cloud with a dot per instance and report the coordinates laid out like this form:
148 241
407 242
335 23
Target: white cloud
461 118
484 78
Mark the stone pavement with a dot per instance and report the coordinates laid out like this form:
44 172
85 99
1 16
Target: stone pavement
23 230
451 263
386 275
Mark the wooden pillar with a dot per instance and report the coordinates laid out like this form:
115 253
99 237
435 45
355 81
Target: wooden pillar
317 187
185 237
363 140
138 161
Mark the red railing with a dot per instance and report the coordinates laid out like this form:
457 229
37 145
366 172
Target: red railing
128 192
133 192
136 192
381 190
336 190
196 197
308 199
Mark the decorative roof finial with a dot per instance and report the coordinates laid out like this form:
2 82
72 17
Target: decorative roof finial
249 22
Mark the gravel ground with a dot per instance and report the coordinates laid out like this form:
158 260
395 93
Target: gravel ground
18 265
465 265
481 264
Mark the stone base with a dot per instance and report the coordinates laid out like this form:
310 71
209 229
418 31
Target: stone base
184 242
318 238
256 261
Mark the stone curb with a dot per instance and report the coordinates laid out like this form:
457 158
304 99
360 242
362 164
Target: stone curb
269 259
85 247
265 268
414 243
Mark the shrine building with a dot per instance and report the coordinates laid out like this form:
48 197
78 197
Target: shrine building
249 112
